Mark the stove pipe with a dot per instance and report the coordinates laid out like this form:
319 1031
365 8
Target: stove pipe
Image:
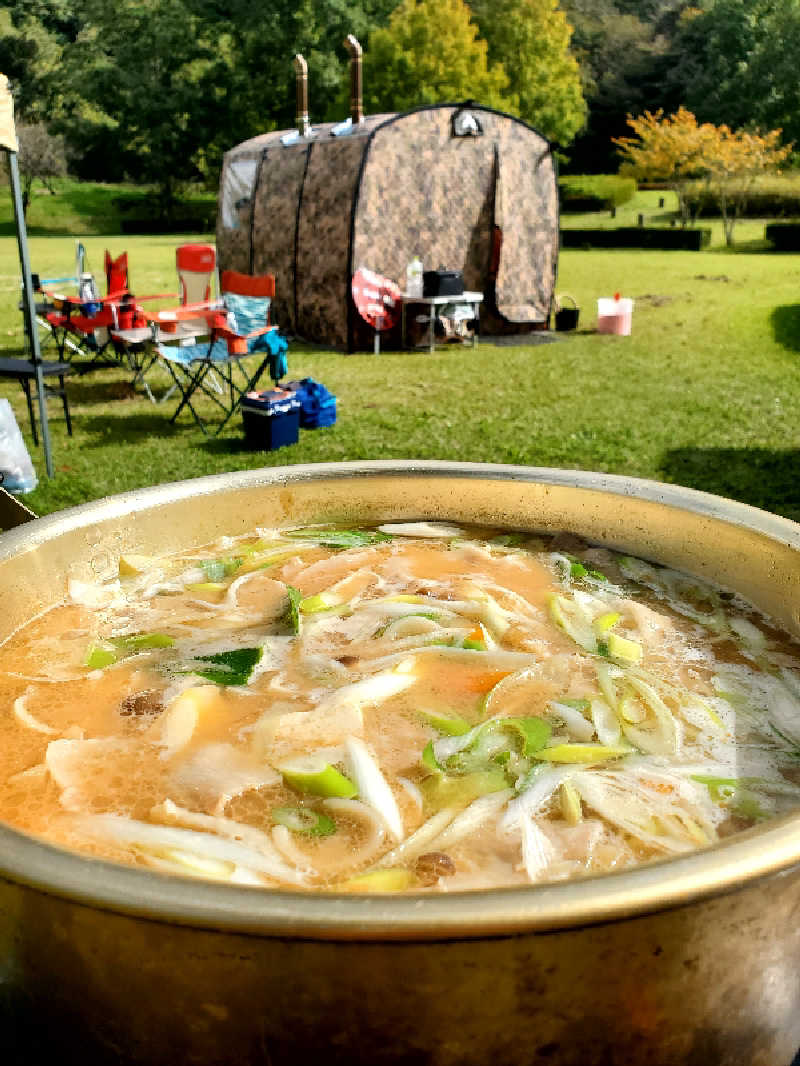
301 91
356 102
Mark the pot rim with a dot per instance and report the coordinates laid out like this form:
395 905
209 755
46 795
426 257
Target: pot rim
734 863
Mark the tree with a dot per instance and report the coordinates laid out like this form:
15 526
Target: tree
41 157
624 49
680 151
430 53
734 163
531 39
672 150
140 96
737 64
30 56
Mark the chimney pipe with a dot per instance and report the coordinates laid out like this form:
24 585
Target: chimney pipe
356 102
301 91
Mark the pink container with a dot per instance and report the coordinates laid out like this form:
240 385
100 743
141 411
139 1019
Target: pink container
615 316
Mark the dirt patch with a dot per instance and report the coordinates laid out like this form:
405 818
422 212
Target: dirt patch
651 299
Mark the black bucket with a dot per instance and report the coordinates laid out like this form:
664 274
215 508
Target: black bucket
566 317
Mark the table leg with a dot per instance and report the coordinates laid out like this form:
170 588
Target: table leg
432 334
27 390
403 324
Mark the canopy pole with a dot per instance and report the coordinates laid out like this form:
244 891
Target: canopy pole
29 307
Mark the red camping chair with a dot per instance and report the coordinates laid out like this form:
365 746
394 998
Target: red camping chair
86 319
216 366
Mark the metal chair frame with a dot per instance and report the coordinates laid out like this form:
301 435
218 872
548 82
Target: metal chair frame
203 374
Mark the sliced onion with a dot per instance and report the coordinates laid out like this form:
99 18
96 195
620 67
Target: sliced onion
537 849
472 818
422 529
373 787
24 715
606 723
533 799
413 791
577 726
420 839
360 812
159 840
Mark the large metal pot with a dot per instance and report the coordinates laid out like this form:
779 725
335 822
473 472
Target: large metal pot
694 961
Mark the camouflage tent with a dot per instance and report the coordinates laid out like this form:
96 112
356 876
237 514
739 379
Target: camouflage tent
463 187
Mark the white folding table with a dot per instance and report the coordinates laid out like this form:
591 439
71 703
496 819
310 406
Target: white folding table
475 299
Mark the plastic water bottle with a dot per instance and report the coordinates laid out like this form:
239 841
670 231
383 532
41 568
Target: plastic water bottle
414 278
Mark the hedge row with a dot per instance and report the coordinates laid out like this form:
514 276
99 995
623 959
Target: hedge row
771 197
143 215
785 236
580 193
690 240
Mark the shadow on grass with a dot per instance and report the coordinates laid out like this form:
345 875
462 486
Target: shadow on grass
757 476
785 322
228 445
88 392
130 428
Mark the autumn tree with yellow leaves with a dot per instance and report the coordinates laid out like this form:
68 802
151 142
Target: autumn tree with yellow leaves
679 151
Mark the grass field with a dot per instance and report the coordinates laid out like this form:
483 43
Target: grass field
704 393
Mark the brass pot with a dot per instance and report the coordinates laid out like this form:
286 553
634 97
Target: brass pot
692 961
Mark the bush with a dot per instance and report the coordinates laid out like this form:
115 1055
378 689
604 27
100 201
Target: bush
689 240
776 196
785 236
594 192
146 215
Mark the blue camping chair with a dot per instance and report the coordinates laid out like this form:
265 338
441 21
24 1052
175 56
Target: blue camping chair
241 345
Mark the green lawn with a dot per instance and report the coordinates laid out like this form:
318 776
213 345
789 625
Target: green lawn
704 393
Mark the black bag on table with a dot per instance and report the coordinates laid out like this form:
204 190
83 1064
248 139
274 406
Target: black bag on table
442 283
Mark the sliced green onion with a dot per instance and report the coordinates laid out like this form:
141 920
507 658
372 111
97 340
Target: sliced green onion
442 790
219 569
429 760
340 538
315 604
535 732
395 879
142 642
317 778
730 792
571 807
583 753
606 621
98 658
623 650
304 821
208 590
292 615
450 725
131 565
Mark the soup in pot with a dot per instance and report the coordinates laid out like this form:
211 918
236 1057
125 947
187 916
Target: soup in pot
410 707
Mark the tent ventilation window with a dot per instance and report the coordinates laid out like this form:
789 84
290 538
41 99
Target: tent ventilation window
466 124
238 181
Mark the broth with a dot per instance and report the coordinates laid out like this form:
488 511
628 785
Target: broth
412 707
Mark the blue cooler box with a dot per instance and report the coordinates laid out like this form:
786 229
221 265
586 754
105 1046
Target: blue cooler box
317 405
271 419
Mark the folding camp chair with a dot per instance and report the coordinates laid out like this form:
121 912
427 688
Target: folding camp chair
82 323
216 367
137 332
43 304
